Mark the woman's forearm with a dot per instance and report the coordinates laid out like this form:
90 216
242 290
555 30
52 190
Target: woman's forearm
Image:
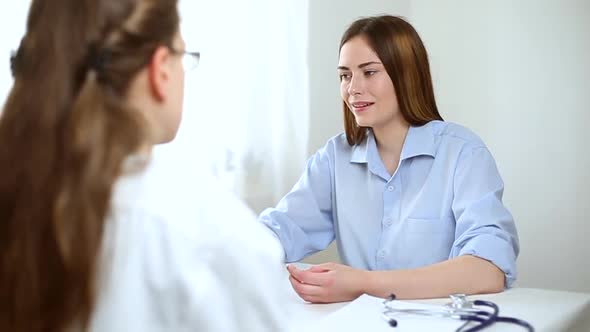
465 274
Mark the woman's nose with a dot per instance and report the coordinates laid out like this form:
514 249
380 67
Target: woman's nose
356 86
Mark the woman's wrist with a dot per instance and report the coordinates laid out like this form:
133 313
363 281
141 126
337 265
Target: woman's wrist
370 282
381 283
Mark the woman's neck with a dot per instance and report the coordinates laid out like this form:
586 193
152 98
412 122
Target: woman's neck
390 138
390 141
138 160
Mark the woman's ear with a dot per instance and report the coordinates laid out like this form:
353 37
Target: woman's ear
159 73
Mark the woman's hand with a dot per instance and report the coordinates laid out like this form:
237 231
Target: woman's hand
327 283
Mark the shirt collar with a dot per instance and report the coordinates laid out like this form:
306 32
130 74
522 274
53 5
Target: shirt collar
419 141
360 151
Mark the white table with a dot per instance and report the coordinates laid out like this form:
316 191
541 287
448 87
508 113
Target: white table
546 310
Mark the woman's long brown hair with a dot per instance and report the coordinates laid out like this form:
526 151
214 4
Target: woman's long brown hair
65 131
405 59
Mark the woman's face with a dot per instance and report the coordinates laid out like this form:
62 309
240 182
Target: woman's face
177 92
171 115
365 85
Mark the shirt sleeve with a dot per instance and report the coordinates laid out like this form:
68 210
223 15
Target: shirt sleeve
303 220
222 276
484 226
190 260
244 288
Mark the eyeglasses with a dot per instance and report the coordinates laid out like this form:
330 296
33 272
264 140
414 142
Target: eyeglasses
190 60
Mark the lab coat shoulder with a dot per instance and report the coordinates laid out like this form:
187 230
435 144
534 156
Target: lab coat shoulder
191 256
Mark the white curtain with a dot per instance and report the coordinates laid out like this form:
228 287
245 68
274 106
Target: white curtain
13 17
246 114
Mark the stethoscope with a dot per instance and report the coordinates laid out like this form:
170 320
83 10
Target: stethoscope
459 308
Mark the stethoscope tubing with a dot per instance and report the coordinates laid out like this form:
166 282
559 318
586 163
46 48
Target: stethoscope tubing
483 317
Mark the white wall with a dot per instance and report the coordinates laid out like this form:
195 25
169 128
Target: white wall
518 74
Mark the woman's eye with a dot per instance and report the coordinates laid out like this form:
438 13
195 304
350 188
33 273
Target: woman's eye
344 76
370 72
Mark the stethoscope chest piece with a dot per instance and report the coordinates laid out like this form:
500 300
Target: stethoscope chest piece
459 302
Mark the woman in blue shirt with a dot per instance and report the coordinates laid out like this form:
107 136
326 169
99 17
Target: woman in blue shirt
414 203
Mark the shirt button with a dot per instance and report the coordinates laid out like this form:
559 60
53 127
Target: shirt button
388 222
391 188
381 254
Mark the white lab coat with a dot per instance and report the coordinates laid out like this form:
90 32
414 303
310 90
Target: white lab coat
187 256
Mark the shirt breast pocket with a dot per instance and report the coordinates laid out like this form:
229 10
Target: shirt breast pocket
427 241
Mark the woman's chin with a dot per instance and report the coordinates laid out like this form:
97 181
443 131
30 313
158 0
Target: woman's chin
363 122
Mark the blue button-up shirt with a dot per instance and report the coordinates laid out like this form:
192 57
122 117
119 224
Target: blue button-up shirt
443 201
